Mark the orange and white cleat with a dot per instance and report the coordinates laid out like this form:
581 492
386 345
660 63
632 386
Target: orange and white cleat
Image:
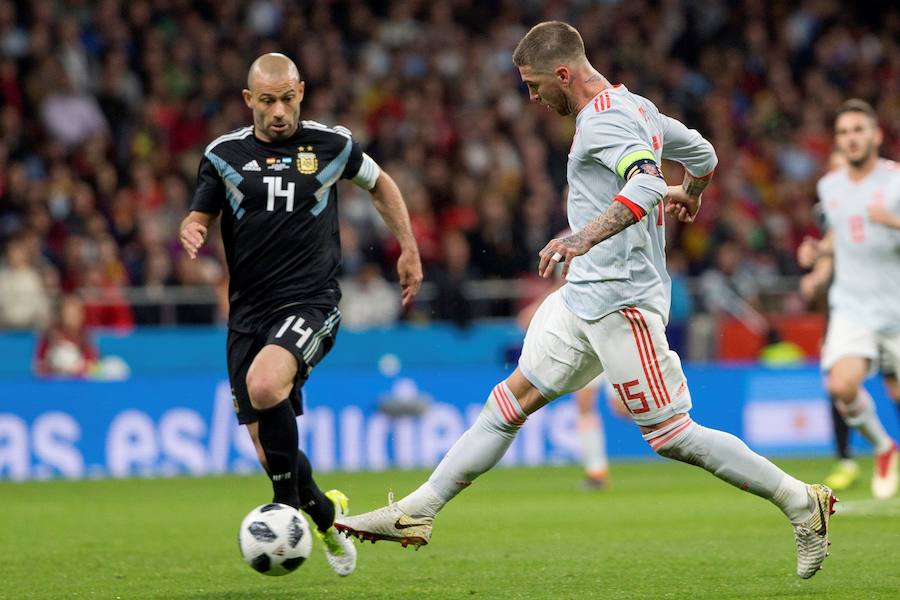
886 478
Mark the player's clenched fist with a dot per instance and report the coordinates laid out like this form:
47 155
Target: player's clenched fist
193 236
681 204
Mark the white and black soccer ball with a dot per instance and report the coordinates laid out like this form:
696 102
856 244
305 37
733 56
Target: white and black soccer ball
274 539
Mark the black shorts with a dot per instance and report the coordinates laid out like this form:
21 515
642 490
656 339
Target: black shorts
306 331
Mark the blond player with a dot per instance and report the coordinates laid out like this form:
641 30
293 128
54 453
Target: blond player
610 315
861 202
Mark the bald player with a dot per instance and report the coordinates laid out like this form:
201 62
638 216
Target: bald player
273 184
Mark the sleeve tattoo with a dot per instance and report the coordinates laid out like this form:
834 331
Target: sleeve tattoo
616 218
694 186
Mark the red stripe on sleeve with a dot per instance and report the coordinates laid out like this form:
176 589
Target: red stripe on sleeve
636 210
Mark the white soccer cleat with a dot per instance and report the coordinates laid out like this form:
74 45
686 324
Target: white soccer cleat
811 536
339 550
886 477
389 524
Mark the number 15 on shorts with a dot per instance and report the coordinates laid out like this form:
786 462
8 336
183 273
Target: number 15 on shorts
626 395
296 325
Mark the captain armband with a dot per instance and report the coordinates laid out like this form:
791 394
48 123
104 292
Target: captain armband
368 173
642 161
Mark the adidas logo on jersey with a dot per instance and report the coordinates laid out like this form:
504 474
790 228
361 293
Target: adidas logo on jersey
251 166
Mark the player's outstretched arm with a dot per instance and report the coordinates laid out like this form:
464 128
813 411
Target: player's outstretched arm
389 202
616 218
644 189
194 231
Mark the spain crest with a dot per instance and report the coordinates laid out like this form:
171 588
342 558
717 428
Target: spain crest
307 163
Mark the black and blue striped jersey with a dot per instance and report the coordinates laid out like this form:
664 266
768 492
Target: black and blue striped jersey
279 218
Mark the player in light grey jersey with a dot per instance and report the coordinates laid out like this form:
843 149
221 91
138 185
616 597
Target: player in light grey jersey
610 316
628 136
861 202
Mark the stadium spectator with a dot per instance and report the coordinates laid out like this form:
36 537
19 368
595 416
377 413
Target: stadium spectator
682 302
70 116
449 278
368 299
122 98
730 286
24 302
66 349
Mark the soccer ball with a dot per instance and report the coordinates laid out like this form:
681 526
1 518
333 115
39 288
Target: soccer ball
274 539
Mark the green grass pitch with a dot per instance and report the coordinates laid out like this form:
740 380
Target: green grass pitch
663 531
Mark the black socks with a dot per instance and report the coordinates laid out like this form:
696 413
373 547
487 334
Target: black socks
841 432
278 438
312 501
289 468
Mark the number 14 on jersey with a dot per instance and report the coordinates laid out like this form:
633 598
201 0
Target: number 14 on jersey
275 189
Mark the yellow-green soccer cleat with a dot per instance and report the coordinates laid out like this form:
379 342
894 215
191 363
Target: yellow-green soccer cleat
389 524
811 536
844 475
339 550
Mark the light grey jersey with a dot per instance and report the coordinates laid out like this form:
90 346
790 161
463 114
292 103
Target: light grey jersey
866 287
614 130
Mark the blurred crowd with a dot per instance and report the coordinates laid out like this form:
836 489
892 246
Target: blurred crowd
105 108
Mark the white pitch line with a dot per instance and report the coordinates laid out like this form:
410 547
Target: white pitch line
870 507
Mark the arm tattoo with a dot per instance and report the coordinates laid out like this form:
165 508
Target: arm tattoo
616 218
692 186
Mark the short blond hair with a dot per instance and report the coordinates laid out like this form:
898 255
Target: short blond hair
548 45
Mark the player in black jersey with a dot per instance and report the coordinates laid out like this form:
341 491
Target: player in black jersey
273 184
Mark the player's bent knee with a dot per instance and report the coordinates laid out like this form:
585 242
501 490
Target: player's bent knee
841 388
264 389
527 395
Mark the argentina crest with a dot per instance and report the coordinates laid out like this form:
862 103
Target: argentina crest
307 163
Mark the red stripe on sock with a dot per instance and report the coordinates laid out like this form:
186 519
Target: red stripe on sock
662 440
655 363
503 409
639 343
517 419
